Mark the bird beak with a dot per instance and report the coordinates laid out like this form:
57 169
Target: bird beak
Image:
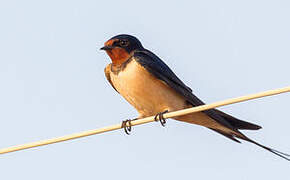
107 48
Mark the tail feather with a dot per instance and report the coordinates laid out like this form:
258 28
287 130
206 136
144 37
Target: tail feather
231 133
239 135
230 136
278 153
238 124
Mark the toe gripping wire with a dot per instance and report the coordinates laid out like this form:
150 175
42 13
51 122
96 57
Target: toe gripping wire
159 117
127 128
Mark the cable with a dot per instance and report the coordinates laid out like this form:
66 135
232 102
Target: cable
144 120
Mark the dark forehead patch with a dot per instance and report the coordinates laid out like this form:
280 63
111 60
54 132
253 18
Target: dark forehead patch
127 37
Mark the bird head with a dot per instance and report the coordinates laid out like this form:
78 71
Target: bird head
120 47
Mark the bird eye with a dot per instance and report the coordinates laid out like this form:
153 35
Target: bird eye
124 43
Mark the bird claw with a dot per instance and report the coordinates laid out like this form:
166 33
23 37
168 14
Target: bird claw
127 129
159 117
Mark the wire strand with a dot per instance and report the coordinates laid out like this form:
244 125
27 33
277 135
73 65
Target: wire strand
145 120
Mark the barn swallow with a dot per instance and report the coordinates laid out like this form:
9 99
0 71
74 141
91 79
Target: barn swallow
149 85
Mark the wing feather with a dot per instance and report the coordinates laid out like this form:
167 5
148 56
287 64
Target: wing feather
161 71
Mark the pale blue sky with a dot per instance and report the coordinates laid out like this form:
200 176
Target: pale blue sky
52 84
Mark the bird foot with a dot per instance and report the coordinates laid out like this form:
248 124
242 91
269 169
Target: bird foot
159 117
127 128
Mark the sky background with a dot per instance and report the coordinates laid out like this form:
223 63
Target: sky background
52 83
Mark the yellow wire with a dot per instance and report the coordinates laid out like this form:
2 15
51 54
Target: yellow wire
145 120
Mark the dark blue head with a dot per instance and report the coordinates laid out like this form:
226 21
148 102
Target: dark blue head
120 47
124 41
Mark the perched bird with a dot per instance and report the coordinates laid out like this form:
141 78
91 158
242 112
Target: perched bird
149 85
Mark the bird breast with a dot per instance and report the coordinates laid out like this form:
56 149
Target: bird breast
145 92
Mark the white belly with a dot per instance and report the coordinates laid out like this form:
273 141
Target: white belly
147 94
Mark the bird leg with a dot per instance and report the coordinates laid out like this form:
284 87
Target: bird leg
127 128
159 117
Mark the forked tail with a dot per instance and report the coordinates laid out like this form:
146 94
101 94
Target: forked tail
278 153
